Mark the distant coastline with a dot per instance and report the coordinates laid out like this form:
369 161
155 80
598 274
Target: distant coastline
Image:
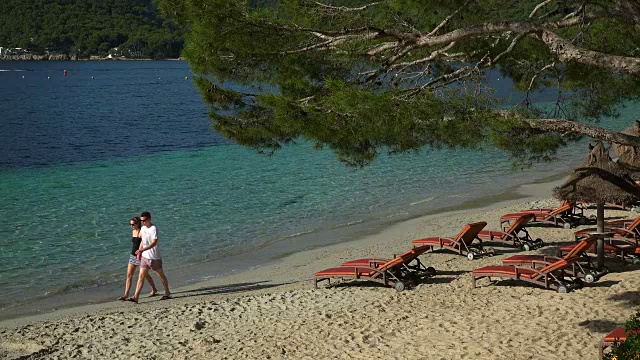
64 57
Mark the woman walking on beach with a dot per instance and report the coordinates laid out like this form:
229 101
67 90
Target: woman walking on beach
134 260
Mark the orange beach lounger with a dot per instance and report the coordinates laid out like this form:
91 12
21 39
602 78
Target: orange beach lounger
626 229
582 269
462 244
395 272
551 276
618 334
516 235
564 215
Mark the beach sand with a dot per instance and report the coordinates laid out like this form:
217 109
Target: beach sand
273 312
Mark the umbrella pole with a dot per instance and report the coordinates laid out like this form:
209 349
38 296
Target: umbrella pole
600 229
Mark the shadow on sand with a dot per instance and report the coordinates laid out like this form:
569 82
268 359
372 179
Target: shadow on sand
226 289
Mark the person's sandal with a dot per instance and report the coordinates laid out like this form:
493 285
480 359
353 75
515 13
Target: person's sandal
122 298
165 297
132 300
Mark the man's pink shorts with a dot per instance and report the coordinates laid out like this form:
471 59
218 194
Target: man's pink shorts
151 264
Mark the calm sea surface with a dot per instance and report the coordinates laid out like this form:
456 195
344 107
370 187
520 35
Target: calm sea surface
80 156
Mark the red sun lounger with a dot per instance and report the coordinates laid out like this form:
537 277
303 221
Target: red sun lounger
392 273
415 270
516 235
622 229
552 276
582 269
618 334
612 247
564 215
464 243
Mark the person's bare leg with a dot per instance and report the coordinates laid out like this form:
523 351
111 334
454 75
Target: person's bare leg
154 290
127 286
143 273
165 282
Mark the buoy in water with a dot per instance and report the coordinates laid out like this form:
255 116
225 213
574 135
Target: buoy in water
65 73
186 78
48 77
92 78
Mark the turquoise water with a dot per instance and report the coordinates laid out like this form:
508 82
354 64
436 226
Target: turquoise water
65 223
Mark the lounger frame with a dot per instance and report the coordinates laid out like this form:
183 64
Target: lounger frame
466 243
551 276
515 235
397 272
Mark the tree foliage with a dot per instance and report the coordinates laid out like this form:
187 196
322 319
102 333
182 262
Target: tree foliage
367 76
88 27
629 349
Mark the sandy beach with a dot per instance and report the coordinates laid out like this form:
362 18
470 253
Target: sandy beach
273 311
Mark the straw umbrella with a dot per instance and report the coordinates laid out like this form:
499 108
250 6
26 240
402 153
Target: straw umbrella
629 156
599 180
631 130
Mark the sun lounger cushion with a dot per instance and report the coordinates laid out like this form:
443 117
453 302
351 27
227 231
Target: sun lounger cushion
519 259
488 234
435 241
365 262
346 270
505 269
630 249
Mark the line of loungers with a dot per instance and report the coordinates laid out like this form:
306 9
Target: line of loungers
561 274
567 215
569 270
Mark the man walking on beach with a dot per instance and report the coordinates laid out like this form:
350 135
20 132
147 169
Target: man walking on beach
151 259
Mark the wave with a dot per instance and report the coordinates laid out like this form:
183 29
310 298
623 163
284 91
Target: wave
461 195
298 234
421 201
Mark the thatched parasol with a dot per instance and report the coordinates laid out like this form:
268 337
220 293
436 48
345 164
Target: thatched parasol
631 130
599 180
629 155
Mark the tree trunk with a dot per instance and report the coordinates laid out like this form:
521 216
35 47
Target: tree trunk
600 230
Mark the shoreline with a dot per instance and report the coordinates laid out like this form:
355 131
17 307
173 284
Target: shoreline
32 57
273 311
274 254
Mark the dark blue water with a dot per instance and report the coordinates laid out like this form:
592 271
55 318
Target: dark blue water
129 108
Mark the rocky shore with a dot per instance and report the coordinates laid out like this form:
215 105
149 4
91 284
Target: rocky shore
23 57
65 57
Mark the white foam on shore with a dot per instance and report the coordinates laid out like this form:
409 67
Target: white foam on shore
421 201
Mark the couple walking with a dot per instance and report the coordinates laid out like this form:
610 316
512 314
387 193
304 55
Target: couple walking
145 253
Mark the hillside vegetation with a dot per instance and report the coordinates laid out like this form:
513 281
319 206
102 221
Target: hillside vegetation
88 27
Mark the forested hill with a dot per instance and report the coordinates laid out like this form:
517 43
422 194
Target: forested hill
88 27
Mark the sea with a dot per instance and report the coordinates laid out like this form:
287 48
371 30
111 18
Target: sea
82 153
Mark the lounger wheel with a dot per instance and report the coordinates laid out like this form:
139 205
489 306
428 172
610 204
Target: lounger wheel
526 247
399 286
470 256
589 277
431 271
539 242
566 225
563 289
635 260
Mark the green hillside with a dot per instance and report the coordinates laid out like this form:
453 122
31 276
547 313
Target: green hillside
88 27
